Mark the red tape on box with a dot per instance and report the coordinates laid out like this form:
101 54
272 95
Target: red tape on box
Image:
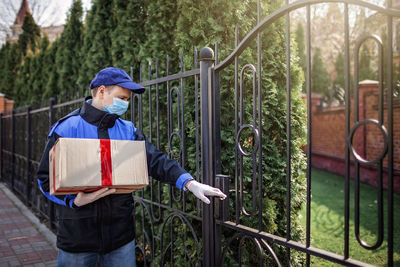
106 166
54 169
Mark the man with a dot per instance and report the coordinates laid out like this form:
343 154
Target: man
97 227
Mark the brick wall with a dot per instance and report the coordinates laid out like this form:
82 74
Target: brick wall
5 103
328 136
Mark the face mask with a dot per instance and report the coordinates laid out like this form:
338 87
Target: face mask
118 106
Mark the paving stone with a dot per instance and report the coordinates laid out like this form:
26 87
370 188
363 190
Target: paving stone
29 258
20 242
8 259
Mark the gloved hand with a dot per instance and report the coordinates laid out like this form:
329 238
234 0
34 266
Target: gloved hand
86 198
202 190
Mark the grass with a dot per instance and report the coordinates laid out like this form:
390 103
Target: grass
327 220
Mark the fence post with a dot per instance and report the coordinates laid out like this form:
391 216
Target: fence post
51 119
12 149
28 156
208 228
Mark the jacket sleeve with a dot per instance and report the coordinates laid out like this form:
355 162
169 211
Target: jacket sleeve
43 176
161 167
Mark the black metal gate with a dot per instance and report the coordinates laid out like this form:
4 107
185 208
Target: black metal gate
168 221
215 217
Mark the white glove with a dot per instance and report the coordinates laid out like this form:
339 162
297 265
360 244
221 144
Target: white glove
202 190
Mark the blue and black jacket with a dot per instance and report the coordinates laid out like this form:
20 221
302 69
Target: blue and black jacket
107 223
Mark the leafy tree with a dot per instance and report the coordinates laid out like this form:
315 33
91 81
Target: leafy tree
319 75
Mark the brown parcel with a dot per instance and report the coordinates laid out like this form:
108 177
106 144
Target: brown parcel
78 164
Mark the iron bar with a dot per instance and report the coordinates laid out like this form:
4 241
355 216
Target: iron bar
68 103
51 203
150 104
140 103
171 77
206 63
28 156
133 109
182 117
347 131
217 116
237 198
358 159
288 138
40 110
309 134
13 150
390 132
327 255
260 126
197 125
216 144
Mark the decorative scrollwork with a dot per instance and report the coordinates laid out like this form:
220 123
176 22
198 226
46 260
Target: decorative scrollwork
258 243
184 221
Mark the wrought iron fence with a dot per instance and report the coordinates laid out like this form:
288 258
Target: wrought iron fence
167 219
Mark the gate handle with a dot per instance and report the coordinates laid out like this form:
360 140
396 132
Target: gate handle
222 206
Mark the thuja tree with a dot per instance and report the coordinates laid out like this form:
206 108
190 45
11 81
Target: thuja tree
160 29
129 33
10 60
51 85
365 71
15 71
68 55
301 49
96 50
319 75
39 74
30 36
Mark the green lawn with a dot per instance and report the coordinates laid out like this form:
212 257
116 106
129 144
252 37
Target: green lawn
327 220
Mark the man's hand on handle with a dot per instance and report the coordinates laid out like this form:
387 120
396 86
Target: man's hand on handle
202 190
86 198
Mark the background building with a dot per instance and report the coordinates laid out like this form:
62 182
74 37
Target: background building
52 32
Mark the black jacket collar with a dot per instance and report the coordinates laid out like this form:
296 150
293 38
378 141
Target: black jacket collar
96 116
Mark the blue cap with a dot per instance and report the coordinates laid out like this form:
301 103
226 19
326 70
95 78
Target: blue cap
115 76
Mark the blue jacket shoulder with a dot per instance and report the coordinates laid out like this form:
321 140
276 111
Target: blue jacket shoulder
63 127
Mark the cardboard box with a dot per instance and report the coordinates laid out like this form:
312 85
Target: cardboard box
78 164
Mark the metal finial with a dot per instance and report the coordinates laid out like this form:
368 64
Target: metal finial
206 53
